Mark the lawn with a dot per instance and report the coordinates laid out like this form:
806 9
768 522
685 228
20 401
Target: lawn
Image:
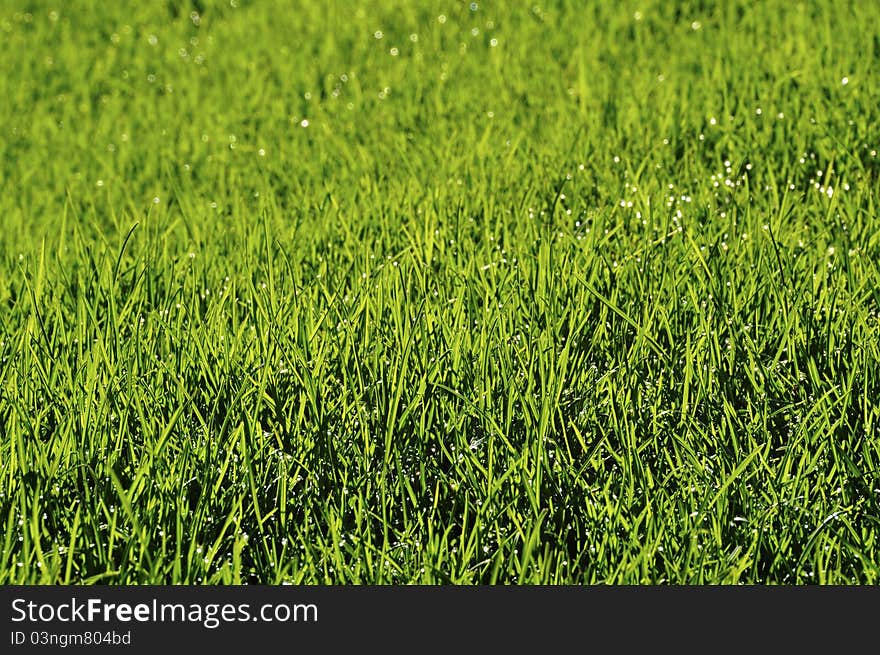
440 292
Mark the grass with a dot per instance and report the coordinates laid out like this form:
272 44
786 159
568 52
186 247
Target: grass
440 293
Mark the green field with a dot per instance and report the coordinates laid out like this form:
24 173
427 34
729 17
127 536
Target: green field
407 292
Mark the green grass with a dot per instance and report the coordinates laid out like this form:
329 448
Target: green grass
572 293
